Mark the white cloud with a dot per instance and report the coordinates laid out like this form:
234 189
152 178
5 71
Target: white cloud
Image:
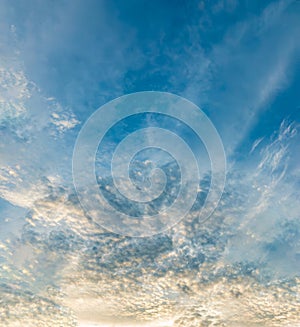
162 276
270 208
29 125
64 121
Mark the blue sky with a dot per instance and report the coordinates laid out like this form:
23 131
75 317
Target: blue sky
237 60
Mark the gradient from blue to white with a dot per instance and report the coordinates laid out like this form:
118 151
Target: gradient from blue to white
239 62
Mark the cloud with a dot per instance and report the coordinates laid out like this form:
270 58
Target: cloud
256 144
14 86
234 78
190 274
241 266
270 211
64 121
79 58
28 121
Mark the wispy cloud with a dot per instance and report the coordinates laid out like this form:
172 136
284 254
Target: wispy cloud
245 71
28 121
269 211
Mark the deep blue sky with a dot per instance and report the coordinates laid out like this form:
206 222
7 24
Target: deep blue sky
235 59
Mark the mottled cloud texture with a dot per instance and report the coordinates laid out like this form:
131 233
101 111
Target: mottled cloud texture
59 61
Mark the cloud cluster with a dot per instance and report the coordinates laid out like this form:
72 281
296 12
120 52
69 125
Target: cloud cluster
57 265
193 274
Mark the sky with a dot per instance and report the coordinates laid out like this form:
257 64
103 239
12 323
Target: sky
236 60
